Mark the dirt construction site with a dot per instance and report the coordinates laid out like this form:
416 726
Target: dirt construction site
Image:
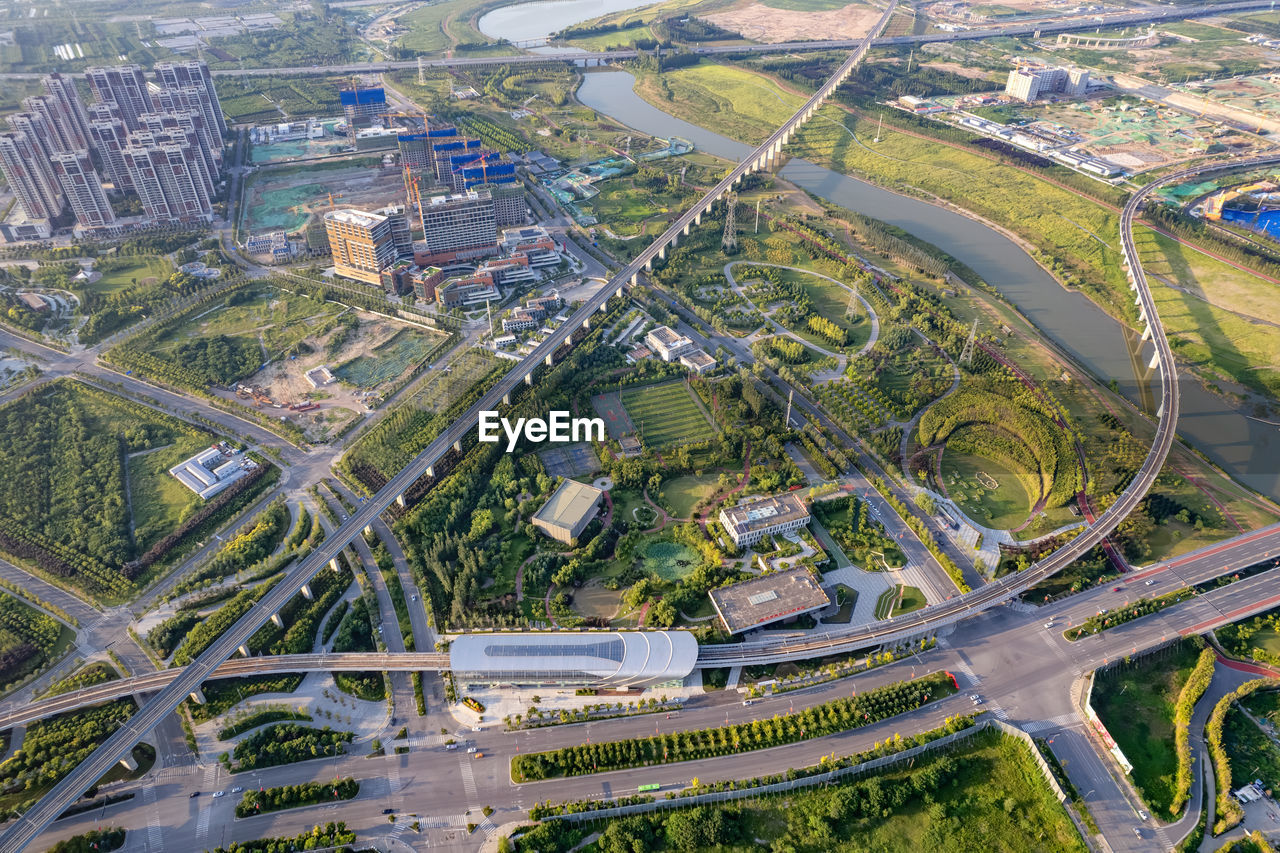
311 388
762 23
284 199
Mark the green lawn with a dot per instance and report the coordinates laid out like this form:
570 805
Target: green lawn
619 38
683 493
1001 508
1135 702
156 497
846 598
137 271
1253 755
279 319
908 600
666 415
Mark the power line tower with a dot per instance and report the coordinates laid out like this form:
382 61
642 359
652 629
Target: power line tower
851 309
730 240
966 355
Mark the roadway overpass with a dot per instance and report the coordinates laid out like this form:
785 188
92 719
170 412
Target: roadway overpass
1202 565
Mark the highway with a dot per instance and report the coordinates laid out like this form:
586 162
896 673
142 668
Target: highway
24 831
1202 565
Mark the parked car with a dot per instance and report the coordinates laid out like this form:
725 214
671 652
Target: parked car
219 793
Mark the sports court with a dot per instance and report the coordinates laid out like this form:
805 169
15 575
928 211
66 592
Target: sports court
570 460
616 421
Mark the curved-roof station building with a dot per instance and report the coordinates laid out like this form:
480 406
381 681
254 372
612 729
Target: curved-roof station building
620 659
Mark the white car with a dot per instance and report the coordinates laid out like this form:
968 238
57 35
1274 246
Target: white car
1150 582
471 749
236 789
1049 624
219 793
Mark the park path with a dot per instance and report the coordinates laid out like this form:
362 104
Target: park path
746 478
842 359
663 518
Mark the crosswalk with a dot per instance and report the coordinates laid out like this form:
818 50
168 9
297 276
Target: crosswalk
155 836
468 781
206 806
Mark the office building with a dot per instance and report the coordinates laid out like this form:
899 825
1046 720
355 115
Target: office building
193 80
668 343
83 189
362 244
779 597
458 228
748 523
28 170
62 90
170 179
415 153
425 280
1030 84
509 207
123 88
469 291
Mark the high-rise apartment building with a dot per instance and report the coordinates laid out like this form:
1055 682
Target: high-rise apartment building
169 177
458 227
83 189
27 168
64 131
124 88
1030 84
363 244
110 137
193 80
63 91
188 125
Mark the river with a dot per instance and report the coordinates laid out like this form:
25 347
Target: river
1246 448
537 21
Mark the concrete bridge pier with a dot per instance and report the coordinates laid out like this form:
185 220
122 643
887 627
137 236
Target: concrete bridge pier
549 361
276 620
506 399
335 565
604 309
686 229
586 322
244 651
197 696
368 530
306 592
648 264
457 445
697 219
1146 331
662 253
528 379
431 471
400 500
1155 362
128 763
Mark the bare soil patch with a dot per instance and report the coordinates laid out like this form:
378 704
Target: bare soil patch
762 23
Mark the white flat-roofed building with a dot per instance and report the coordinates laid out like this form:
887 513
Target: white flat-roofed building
210 471
622 660
568 511
668 343
772 598
748 523
698 361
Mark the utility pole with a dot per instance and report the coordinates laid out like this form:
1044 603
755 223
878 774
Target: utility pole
879 129
966 355
730 240
909 58
757 216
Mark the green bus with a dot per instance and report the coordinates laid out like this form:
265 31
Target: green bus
643 788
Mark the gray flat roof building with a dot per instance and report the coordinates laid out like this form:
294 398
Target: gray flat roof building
765 600
748 523
568 511
620 659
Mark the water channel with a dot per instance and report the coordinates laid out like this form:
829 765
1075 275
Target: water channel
1246 448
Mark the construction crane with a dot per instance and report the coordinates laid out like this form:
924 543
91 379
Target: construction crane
413 196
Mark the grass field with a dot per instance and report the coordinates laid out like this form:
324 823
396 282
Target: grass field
669 560
1216 315
137 271
666 415
441 26
908 600
683 493
618 38
731 101
157 499
389 360
1253 755
278 319
1135 702
1002 508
